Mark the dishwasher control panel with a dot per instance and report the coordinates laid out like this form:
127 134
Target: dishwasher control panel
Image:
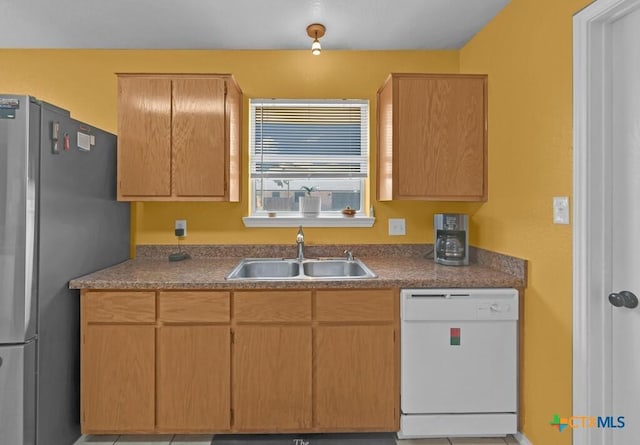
459 304
491 310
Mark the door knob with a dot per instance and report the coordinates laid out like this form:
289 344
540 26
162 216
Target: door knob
623 298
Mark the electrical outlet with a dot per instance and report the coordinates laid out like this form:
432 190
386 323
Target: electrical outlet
181 228
396 226
561 210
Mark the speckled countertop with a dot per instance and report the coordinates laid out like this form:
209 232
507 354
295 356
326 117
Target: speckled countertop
396 266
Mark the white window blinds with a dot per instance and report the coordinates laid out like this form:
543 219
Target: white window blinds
309 139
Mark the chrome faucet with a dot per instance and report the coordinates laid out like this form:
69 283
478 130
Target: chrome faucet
349 255
300 242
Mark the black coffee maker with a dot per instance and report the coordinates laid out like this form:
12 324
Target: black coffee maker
451 239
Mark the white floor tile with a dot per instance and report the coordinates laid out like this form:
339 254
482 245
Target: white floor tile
478 441
192 439
160 439
423 442
96 440
205 439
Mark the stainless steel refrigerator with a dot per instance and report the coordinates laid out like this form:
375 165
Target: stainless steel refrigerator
59 219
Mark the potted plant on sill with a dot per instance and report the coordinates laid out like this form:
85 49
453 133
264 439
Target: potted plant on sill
309 205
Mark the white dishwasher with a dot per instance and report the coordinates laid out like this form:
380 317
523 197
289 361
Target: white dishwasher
459 362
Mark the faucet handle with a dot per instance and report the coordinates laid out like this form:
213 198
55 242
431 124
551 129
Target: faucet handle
349 255
300 235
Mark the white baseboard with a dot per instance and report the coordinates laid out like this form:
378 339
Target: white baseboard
522 439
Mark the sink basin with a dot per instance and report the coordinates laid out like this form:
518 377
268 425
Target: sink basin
335 268
292 269
265 268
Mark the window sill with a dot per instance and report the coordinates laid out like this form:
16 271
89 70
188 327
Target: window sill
320 221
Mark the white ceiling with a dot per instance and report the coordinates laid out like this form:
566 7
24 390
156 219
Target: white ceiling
242 24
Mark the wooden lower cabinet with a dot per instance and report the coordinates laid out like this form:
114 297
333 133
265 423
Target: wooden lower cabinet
263 361
155 362
193 368
118 379
272 378
354 372
356 360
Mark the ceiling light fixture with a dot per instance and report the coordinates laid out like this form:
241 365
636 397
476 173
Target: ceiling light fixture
316 31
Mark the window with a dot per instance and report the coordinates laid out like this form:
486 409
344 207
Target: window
300 145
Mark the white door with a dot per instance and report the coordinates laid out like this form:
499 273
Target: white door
625 253
606 352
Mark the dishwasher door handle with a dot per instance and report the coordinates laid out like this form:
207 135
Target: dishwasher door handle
448 296
428 296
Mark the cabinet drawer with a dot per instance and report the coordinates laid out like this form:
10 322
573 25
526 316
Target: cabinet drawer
355 305
120 307
193 306
272 306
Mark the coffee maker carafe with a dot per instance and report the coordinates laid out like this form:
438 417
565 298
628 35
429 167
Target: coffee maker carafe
451 239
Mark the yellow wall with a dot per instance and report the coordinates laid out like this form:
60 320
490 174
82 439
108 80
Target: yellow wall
527 53
84 82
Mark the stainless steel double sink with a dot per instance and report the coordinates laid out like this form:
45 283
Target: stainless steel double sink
293 269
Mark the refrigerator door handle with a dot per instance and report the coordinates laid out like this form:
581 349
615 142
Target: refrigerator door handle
55 137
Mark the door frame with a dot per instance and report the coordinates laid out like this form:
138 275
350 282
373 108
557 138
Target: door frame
592 212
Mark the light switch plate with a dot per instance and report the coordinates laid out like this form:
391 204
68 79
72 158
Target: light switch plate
397 226
561 210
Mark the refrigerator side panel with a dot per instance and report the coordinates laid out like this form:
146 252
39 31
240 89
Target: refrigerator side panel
82 229
18 387
19 145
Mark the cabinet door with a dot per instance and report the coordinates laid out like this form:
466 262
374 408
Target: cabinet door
193 391
272 378
441 138
355 383
118 379
199 137
144 137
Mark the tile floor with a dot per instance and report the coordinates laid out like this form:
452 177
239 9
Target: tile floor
318 439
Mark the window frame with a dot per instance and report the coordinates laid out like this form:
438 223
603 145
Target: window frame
327 218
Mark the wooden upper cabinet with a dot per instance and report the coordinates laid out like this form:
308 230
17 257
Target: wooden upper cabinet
144 137
179 137
432 137
198 136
